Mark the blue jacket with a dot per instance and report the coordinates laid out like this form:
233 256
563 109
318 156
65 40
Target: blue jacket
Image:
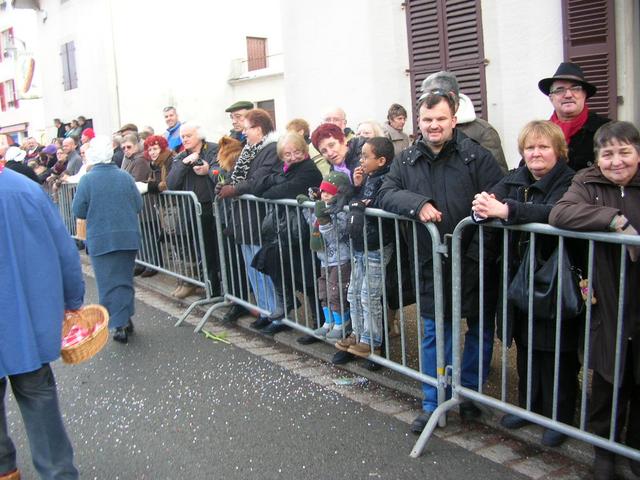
40 276
108 198
173 137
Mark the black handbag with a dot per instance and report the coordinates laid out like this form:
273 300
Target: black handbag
545 287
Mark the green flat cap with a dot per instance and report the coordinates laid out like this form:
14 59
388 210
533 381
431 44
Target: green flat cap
242 104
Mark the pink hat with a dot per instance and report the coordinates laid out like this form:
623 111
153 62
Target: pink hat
88 132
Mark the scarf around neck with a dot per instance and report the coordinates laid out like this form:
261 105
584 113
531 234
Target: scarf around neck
241 170
571 127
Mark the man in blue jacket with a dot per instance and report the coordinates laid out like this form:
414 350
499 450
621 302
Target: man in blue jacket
36 246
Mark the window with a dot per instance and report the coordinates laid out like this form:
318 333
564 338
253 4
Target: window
8 95
589 33
256 53
270 107
6 42
69 75
447 35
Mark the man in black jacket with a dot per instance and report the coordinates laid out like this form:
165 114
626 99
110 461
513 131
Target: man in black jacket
568 92
435 181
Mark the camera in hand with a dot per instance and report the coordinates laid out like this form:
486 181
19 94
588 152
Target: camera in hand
198 162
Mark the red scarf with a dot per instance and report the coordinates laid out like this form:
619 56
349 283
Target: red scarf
571 127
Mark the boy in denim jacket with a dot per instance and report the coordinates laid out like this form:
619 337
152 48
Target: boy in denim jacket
369 256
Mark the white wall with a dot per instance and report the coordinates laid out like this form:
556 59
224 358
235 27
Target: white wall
523 43
350 54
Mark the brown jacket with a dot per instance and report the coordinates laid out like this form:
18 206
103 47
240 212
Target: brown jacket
590 204
159 170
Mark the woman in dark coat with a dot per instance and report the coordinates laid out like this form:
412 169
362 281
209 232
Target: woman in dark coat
257 159
108 199
527 195
605 197
293 176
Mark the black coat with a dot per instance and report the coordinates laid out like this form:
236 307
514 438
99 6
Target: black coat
448 180
581 145
247 215
295 181
529 201
182 177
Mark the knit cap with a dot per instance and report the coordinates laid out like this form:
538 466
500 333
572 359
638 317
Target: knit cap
334 181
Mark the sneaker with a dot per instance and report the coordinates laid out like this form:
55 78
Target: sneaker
236 311
185 291
148 272
335 333
260 322
551 438
307 340
363 350
340 358
323 330
513 422
345 343
418 424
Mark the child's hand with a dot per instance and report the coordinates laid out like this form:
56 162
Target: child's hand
358 176
301 199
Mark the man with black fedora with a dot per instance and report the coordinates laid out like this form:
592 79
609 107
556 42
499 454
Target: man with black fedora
568 91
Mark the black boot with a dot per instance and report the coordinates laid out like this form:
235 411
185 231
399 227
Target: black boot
121 335
129 328
235 312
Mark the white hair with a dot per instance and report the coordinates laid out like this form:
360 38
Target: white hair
200 133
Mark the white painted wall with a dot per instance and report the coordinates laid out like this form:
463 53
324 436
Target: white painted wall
523 43
134 58
350 54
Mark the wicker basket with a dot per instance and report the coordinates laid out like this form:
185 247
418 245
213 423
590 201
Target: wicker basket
87 317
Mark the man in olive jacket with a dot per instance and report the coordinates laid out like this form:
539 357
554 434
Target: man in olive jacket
435 181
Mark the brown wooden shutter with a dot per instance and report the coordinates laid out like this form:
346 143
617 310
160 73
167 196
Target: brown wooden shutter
447 35
589 41
256 53
270 107
3 100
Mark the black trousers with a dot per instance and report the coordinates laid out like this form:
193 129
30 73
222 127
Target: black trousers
542 383
628 401
210 237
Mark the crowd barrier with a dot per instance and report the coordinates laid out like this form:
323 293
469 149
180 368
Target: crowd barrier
171 235
587 244
283 247
173 243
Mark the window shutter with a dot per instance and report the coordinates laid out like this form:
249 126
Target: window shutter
71 59
256 53
3 100
589 41
447 35
65 67
15 94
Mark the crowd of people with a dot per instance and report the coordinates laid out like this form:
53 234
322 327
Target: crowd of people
578 171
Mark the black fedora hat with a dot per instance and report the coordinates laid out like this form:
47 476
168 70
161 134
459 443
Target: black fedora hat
567 71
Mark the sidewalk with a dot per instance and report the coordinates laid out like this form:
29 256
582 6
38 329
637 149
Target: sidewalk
519 449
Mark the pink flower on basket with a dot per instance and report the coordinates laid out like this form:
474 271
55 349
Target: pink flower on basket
77 334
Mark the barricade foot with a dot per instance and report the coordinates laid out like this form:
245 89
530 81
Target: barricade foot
431 425
204 301
208 314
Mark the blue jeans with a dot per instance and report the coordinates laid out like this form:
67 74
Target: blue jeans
37 398
365 294
261 284
470 355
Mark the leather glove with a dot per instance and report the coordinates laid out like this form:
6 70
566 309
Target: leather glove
226 191
322 213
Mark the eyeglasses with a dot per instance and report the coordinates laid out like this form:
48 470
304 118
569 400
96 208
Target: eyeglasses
563 90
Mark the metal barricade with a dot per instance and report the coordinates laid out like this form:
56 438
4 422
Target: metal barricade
171 236
586 243
63 197
276 232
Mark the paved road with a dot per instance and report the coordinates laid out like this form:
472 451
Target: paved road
174 405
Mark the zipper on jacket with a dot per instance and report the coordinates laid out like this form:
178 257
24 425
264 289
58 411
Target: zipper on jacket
526 194
622 191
